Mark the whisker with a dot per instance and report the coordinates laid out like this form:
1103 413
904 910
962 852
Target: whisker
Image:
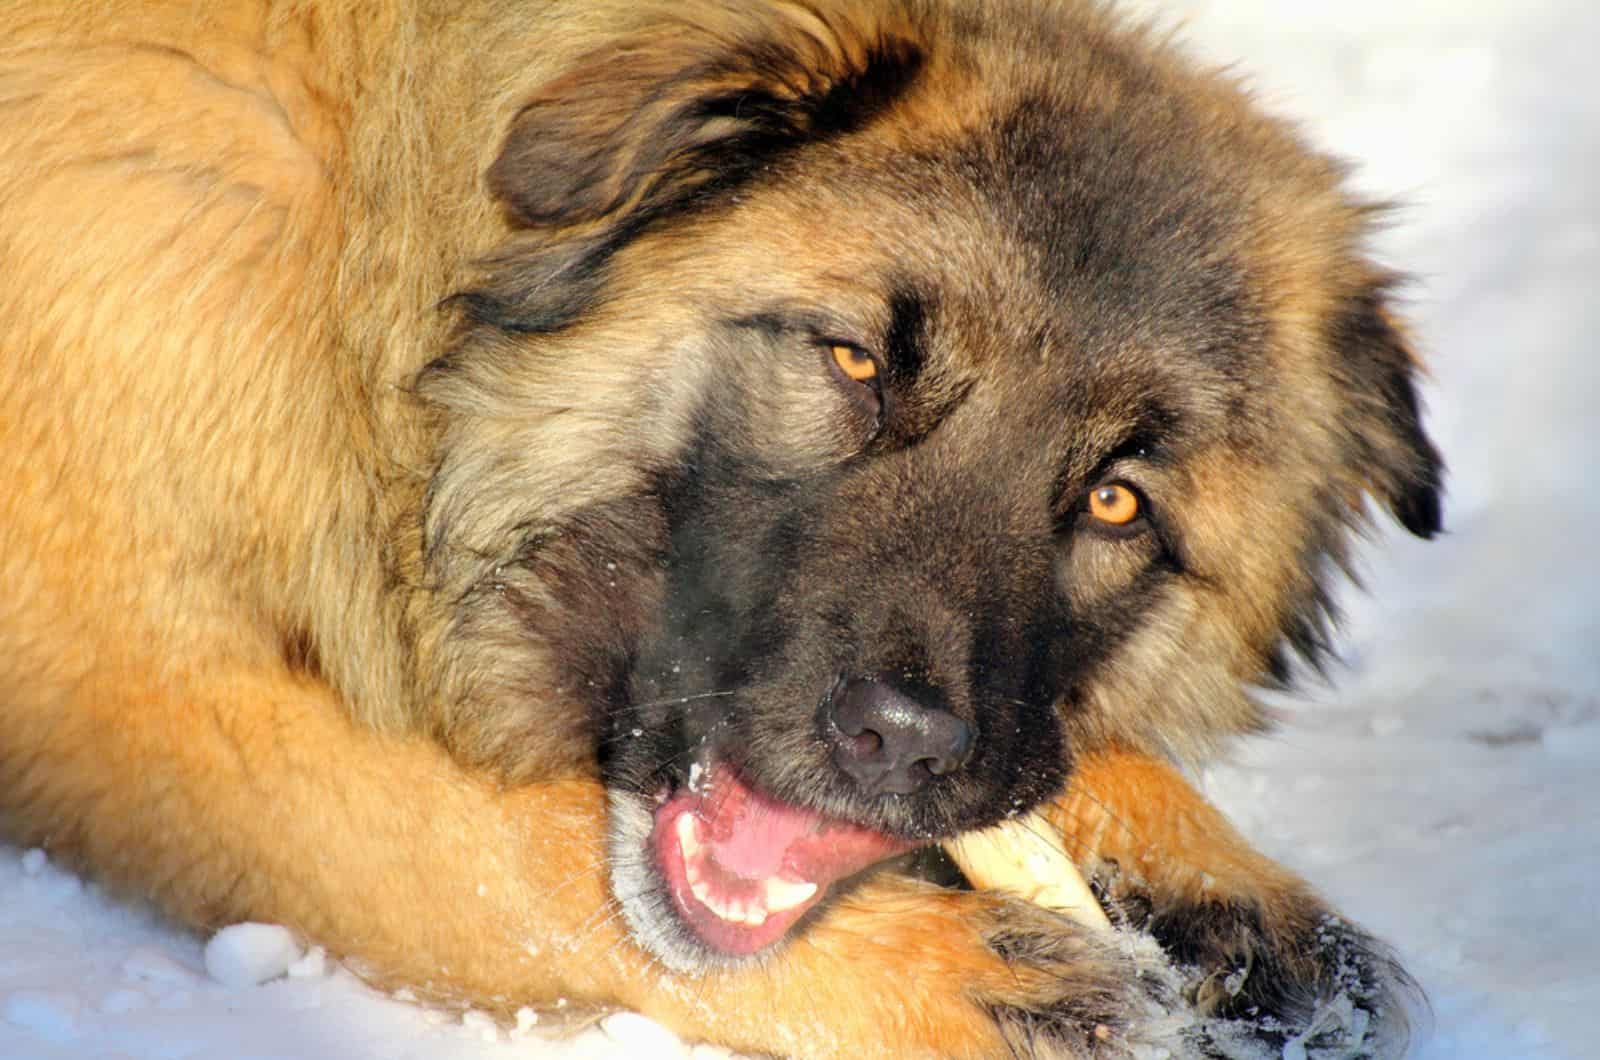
1108 813
586 873
671 700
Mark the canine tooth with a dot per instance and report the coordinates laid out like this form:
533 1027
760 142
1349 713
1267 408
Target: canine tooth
689 836
780 895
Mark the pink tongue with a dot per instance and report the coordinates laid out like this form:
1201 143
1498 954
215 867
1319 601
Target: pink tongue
756 837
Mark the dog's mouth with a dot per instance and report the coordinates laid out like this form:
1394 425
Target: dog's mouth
742 867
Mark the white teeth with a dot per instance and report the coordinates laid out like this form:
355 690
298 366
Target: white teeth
741 913
781 895
776 895
702 891
689 842
689 837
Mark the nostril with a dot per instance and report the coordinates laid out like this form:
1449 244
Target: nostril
957 740
864 743
885 740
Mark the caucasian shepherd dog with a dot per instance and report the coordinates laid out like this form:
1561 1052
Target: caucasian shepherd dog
540 497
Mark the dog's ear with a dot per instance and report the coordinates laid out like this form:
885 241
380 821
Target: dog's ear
1392 455
638 132
649 125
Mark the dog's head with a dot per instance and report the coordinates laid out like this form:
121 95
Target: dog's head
868 410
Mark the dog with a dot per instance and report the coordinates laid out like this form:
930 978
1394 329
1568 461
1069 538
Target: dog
547 499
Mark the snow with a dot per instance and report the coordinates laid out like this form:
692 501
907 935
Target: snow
51 1015
1443 792
243 955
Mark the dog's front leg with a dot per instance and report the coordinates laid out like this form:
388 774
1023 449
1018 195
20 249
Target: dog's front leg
1259 944
248 795
228 795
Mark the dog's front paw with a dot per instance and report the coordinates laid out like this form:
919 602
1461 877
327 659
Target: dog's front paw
1063 990
1268 967
1282 971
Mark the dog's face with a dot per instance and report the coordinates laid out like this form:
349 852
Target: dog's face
948 398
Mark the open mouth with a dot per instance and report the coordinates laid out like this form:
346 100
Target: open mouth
742 867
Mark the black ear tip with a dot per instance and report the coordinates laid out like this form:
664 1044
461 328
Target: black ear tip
1422 514
1404 469
1420 507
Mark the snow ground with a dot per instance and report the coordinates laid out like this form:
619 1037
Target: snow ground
1444 793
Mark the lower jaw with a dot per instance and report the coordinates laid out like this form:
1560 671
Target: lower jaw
728 938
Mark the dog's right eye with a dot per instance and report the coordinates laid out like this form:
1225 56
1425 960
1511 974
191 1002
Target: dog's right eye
854 362
1115 504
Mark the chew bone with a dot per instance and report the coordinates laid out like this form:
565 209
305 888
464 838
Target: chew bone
1025 857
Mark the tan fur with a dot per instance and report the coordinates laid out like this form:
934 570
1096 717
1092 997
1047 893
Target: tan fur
230 679
1140 816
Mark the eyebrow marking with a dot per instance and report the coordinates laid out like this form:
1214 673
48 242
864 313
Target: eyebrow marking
1147 439
904 353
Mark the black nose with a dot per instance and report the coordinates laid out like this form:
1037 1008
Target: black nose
887 741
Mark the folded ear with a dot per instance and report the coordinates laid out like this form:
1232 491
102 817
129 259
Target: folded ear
649 124
1392 454
640 131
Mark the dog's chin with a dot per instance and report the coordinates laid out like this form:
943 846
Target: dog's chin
716 872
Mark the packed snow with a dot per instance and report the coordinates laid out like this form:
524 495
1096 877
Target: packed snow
1442 791
242 955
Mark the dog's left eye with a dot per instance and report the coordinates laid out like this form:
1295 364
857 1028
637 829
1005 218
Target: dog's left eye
857 370
1115 509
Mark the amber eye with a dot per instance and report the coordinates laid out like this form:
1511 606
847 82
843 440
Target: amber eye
857 364
1114 504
